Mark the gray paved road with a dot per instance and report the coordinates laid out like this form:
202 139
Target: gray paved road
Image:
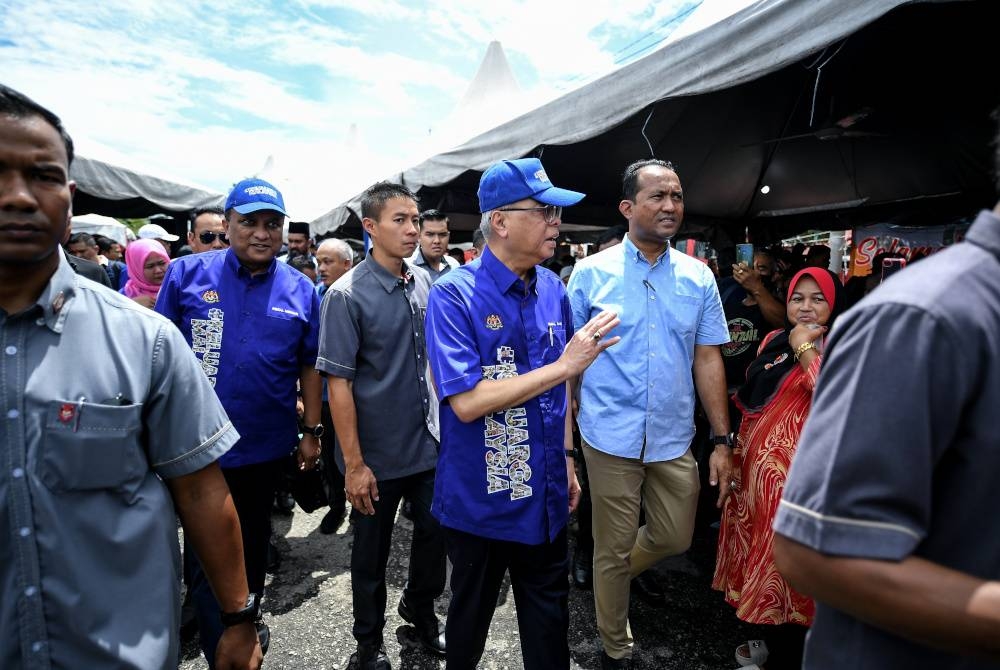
308 609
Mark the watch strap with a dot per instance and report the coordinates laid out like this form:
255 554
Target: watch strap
249 613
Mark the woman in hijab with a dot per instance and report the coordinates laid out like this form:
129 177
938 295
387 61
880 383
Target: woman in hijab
147 263
774 401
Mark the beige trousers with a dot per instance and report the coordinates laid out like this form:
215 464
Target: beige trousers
668 491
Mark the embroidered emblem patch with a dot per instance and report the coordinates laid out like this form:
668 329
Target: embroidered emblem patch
66 412
493 322
210 296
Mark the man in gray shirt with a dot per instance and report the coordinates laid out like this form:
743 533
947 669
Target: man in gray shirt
888 518
96 458
372 349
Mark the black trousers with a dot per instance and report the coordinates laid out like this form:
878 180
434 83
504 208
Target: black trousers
370 553
252 488
541 597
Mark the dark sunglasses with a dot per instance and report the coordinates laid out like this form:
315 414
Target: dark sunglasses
208 237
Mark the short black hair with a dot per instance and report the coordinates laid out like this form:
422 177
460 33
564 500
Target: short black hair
104 243
478 239
613 233
630 178
20 106
300 263
377 195
86 238
432 215
202 210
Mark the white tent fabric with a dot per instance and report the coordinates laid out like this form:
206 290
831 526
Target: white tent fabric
107 186
95 224
756 40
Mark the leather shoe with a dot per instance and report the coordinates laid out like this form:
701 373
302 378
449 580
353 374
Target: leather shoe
284 503
369 657
406 509
429 630
647 588
608 663
331 520
583 569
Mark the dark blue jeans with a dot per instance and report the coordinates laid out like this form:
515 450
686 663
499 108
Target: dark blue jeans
252 488
370 553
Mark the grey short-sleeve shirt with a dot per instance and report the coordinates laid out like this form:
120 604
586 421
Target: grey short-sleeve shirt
899 451
100 399
372 332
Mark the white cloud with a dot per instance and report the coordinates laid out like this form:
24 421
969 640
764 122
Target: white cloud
208 91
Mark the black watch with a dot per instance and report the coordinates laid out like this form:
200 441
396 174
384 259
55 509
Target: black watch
316 431
726 439
245 615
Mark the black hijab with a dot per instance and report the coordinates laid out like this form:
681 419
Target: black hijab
776 361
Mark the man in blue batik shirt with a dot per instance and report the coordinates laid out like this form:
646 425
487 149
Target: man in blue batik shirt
502 349
253 323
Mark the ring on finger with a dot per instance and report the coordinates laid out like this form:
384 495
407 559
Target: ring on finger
598 335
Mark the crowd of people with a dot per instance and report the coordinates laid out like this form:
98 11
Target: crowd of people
493 399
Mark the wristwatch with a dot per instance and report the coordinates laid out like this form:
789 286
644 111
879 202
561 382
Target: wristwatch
316 431
726 439
245 615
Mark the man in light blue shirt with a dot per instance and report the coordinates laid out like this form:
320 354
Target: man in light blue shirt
637 401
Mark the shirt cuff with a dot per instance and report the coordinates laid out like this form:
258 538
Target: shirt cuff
841 536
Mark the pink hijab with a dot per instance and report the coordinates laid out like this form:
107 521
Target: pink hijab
136 255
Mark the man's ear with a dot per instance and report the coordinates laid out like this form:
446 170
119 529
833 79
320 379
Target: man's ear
368 225
625 207
498 223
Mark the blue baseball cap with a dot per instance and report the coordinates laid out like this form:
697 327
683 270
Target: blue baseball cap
253 195
509 181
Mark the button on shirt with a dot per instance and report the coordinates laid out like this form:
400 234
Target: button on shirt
372 333
100 400
637 398
252 335
502 476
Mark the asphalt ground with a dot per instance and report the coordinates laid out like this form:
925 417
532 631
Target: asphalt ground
308 609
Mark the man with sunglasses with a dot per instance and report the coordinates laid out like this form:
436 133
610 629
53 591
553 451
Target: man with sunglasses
502 349
253 324
205 231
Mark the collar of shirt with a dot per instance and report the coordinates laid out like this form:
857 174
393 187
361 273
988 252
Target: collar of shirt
389 281
233 263
57 295
985 232
632 251
504 277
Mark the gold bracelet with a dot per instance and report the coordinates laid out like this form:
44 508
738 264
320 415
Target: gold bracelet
803 348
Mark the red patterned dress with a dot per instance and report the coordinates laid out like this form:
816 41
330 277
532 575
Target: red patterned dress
744 569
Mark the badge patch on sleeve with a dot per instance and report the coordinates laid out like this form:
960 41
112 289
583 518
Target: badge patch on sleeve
210 296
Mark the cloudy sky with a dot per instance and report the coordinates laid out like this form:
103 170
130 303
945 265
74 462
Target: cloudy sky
337 93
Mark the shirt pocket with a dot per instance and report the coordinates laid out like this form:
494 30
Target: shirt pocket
685 313
553 341
90 447
280 334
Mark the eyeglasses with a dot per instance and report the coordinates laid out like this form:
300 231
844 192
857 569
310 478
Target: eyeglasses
208 237
549 212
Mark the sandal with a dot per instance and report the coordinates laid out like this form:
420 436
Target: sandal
757 650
